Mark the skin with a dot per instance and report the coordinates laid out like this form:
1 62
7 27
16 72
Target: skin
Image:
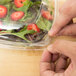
64 18
46 64
67 49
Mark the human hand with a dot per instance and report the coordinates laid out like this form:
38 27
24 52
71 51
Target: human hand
67 13
52 65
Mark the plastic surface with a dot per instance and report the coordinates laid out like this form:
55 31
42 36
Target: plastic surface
25 25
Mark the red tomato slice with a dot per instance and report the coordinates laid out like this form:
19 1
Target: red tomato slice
33 27
3 11
17 15
46 14
19 3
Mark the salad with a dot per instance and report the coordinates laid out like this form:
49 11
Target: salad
34 16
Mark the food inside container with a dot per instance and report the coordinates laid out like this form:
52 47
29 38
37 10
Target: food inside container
26 21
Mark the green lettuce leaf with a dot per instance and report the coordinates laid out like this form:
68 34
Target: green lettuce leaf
4 1
44 24
25 7
7 18
20 34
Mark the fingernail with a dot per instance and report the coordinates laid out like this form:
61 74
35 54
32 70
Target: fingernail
51 32
50 48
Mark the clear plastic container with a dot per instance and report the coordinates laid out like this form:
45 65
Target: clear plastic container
25 24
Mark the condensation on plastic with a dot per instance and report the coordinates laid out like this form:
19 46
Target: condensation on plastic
29 46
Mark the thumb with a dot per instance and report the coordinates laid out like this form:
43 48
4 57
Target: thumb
68 30
68 48
66 13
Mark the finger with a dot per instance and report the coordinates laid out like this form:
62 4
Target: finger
66 13
68 30
64 57
52 66
69 70
65 47
49 48
61 65
70 23
46 66
45 69
54 57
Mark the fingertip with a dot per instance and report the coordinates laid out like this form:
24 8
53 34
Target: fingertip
54 30
51 32
46 56
50 49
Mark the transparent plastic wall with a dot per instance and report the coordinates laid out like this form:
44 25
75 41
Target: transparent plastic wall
25 25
